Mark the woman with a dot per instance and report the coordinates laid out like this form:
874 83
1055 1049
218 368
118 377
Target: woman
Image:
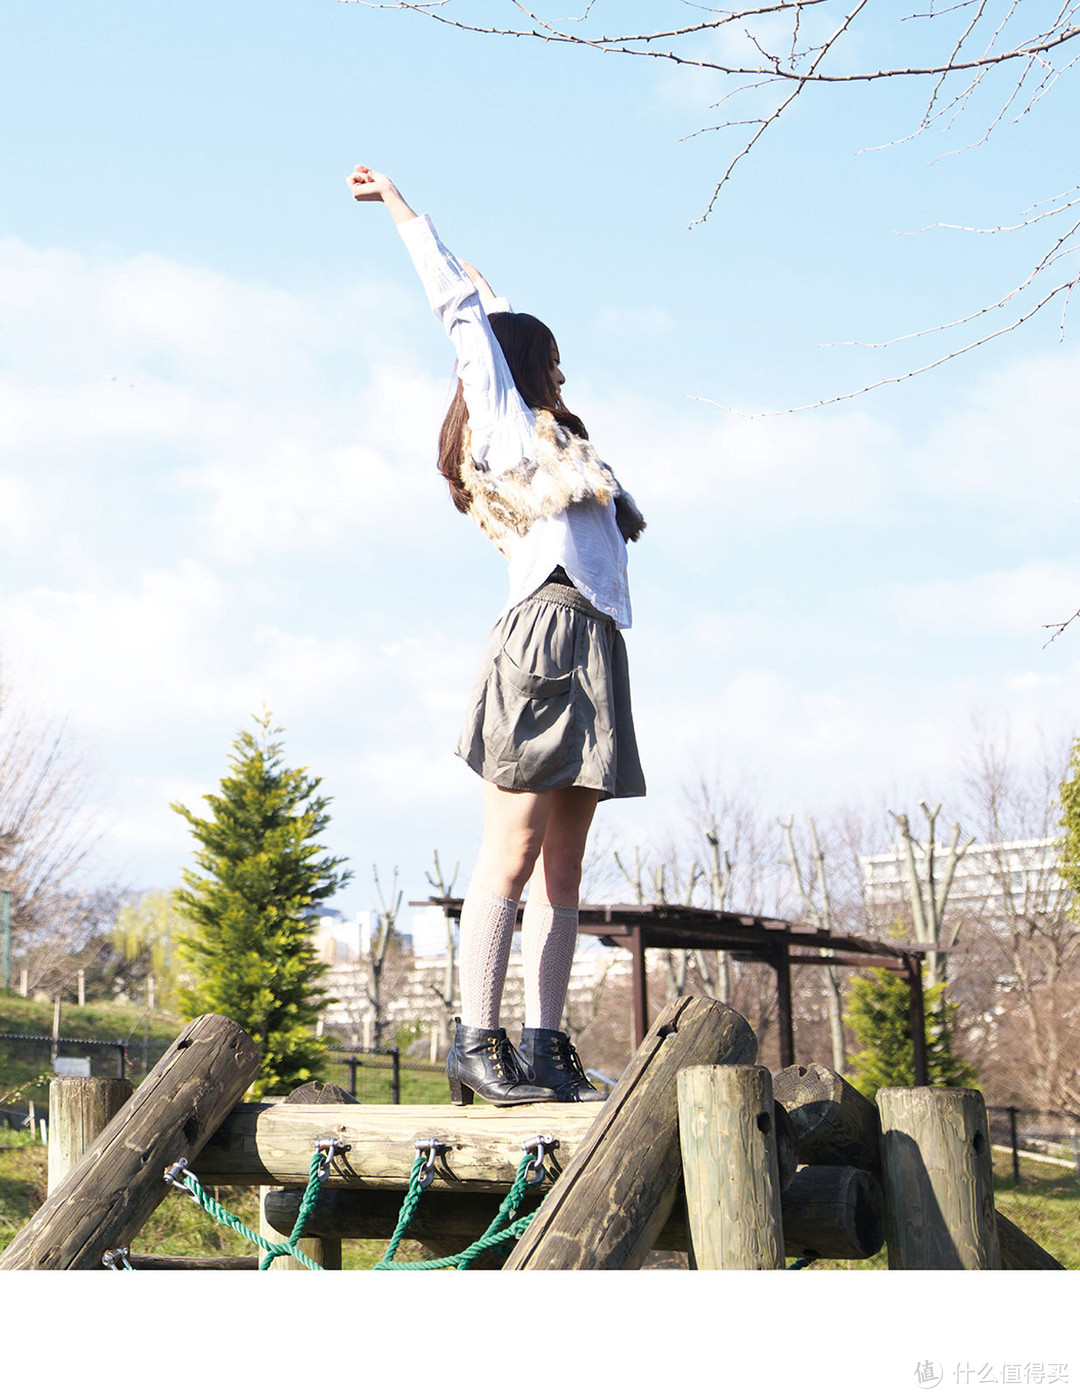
549 728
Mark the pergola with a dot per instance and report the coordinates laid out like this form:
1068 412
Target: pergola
749 938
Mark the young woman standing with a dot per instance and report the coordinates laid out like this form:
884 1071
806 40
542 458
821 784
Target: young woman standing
549 727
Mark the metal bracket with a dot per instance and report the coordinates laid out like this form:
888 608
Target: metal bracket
332 1146
175 1171
434 1149
537 1173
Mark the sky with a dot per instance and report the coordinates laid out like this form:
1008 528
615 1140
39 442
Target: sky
220 388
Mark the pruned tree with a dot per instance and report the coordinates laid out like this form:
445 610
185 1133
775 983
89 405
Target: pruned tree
971 68
814 894
446 994
384 939
928 886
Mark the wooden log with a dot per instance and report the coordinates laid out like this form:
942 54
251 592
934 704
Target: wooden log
79 1108
833 1212
325 1252
272 1144
834 1124
938 1179
787 1146
1020 1251
729 1158
607 1208
166 1263
119 1182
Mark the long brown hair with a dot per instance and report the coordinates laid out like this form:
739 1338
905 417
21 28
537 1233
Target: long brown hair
531 353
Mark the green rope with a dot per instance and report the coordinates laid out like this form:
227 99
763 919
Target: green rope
498 1232
272 1251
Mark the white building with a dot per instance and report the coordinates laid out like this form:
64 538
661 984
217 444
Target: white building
1021 874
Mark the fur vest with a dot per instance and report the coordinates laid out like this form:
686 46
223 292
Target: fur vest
563 471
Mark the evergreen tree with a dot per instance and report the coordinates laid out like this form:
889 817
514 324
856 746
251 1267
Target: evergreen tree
1070 820
879 1012
261 871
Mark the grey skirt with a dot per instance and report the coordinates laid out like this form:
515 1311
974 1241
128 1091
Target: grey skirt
551 704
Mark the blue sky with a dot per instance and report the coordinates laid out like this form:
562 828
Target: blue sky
219 390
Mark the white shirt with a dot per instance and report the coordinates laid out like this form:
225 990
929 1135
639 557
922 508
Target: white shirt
584 539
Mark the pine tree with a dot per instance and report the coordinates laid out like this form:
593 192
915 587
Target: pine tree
879 1012
261 871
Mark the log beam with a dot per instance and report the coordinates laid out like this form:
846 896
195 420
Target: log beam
119 1182
272 1143
608 1206
834 1125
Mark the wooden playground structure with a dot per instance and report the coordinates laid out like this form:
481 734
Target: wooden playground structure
698 1149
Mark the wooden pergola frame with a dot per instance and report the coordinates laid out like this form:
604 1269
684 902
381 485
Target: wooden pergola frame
772 941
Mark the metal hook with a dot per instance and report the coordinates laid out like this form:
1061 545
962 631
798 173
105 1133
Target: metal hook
537 1172
330 1145
177 1169
432 1146
117 1260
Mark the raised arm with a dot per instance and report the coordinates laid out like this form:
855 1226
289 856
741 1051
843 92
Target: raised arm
502 428
367 184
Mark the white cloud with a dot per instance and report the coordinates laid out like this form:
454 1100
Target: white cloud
1020 600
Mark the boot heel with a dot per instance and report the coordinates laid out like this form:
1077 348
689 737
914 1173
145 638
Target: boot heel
461 1095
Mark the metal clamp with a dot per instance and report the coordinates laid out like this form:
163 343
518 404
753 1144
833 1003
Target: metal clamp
332 1146
537 1172
433 1147
175 1171
117 1260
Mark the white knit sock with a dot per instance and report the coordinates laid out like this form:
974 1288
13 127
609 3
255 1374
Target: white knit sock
548 940
486 931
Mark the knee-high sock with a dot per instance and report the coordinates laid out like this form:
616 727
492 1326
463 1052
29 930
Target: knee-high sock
486 931
548 940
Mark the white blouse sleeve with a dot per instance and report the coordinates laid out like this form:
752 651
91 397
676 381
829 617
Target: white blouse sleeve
503 429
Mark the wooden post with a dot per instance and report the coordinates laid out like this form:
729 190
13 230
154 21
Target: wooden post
608 1206
79 1109
640 988
107 1198
729 1158
833 1212
785 1020
325 1252
939 1190
834 1124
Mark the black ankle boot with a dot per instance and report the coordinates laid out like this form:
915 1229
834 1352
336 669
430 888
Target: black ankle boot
550 1060
484 1062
